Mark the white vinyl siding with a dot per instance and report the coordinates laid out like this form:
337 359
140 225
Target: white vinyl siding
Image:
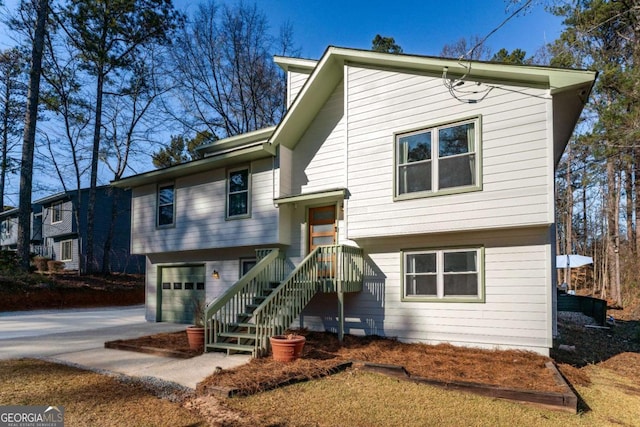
517 312
318 158
295 83
200 210
515 159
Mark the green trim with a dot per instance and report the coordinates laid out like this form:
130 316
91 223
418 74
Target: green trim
481 275
257 136
329 71
175 193
320 196
242 155
249 193
295 64
477 120
162 266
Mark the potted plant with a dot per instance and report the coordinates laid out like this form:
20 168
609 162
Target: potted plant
287 348
195 333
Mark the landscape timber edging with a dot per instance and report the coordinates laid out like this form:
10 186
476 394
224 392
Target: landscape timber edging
564 401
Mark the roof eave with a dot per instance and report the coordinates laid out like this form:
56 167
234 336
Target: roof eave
202 165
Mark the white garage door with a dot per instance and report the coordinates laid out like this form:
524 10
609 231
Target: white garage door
181 287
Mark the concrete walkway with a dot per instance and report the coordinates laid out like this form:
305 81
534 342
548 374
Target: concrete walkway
78 337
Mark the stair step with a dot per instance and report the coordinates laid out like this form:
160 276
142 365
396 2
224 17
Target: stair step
242 325
240 335
229 347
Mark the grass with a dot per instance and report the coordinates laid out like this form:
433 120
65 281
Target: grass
353 398
89 399
365 399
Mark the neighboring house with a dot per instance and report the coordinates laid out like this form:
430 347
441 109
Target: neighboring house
9 228
403 196
63 234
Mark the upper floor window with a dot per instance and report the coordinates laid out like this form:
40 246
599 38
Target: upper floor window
56 212
444 274
166 205
441 159
238 188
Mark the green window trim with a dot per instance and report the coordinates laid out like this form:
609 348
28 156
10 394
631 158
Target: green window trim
166 205
423 157
426 274
238 193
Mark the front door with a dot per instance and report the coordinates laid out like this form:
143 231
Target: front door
322 231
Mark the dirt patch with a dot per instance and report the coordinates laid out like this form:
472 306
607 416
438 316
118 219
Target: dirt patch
583 343
70 291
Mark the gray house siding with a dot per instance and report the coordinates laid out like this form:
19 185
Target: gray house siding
65 227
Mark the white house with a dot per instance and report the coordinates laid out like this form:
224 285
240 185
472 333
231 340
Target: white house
401 195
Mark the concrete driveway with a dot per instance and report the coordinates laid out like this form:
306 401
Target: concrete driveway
77 337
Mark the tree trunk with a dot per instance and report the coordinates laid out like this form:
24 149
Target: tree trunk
569 220
628 190
5 136
613 250
28 144
90 262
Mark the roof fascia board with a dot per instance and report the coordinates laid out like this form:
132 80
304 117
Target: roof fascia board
211 162
337 194
329 71
288 63
260 135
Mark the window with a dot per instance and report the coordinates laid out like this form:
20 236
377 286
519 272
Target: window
56 212
441 159
66 250
166 205
446 274
247 264
238 193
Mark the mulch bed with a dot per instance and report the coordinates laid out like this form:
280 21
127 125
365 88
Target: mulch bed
323 354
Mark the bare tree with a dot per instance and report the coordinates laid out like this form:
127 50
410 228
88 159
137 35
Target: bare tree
228 81
467 48
107 35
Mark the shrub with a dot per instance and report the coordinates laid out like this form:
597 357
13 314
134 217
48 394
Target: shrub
8 261
55 266
41 263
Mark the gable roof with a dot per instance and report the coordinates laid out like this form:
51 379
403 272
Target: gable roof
223 152
329 71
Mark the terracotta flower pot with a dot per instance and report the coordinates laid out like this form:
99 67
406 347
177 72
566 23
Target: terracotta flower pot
287 348
195 336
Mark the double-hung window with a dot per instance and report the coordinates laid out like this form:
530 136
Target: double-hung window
438 160
166 205
238 193
443 275
66 250
56 212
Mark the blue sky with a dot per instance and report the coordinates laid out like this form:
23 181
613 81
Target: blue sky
420 27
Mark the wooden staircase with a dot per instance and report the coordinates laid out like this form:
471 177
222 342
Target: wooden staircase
266 301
